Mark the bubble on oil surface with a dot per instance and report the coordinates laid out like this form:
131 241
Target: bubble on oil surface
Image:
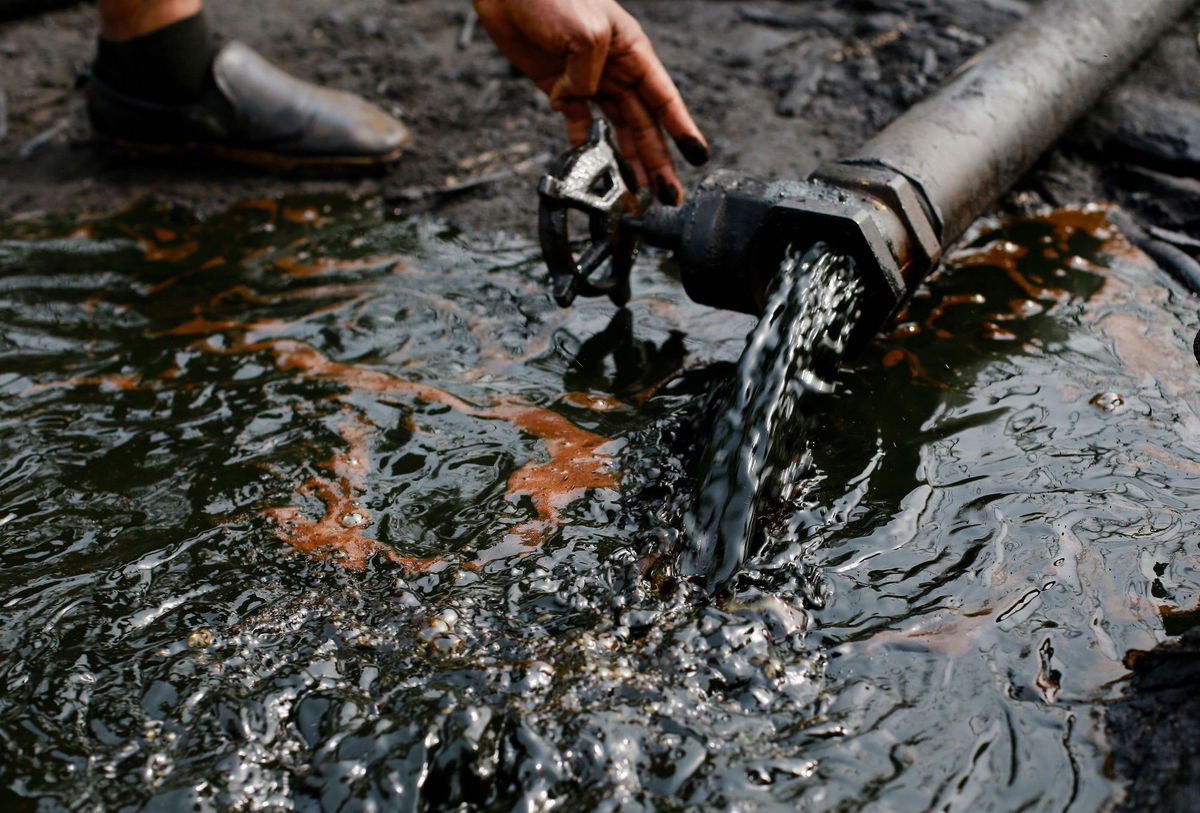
1108 402
352 519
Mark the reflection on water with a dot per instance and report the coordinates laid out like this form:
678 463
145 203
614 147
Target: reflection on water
301 505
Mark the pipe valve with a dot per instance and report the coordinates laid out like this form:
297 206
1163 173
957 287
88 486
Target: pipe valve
594 180
731 233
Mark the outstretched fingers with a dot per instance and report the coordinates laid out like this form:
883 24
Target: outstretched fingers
642 131
661 97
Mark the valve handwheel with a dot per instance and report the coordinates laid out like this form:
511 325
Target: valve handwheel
592 179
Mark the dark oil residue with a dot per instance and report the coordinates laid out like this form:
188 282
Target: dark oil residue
303 505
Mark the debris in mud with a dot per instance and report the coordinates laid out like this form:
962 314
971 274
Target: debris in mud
200 639
30 147
1149 128
1108 402
453 185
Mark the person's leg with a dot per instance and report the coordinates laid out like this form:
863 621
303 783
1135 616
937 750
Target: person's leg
122 20
159 82
154 50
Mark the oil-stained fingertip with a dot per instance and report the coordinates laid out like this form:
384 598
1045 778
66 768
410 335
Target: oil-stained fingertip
668 193
694 150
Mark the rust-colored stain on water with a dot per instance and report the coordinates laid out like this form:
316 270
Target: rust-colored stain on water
576 460
339 532
126 382
1012 259
573 460
297 267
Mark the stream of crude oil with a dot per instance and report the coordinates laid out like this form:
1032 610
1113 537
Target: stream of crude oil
757 451
304 506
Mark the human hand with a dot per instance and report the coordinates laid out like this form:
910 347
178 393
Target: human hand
580 51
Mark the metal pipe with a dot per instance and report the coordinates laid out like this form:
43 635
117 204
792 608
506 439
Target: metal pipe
913 189
966 144
893 205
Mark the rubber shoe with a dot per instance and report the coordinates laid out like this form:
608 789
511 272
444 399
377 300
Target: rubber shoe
253 113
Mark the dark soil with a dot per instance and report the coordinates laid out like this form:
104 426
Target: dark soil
1156 729
777 86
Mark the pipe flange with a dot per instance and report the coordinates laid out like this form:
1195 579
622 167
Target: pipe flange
903 198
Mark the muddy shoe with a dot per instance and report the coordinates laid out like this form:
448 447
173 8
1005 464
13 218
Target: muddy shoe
252 112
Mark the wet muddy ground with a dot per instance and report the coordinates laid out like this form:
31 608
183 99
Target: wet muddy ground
353 525
782 86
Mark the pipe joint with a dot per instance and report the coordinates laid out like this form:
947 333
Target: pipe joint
877 215
731 235
915 239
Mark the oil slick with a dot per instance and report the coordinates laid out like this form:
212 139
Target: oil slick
940 624
571 462
1157 375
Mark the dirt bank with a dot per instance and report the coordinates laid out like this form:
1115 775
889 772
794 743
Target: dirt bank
777 86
